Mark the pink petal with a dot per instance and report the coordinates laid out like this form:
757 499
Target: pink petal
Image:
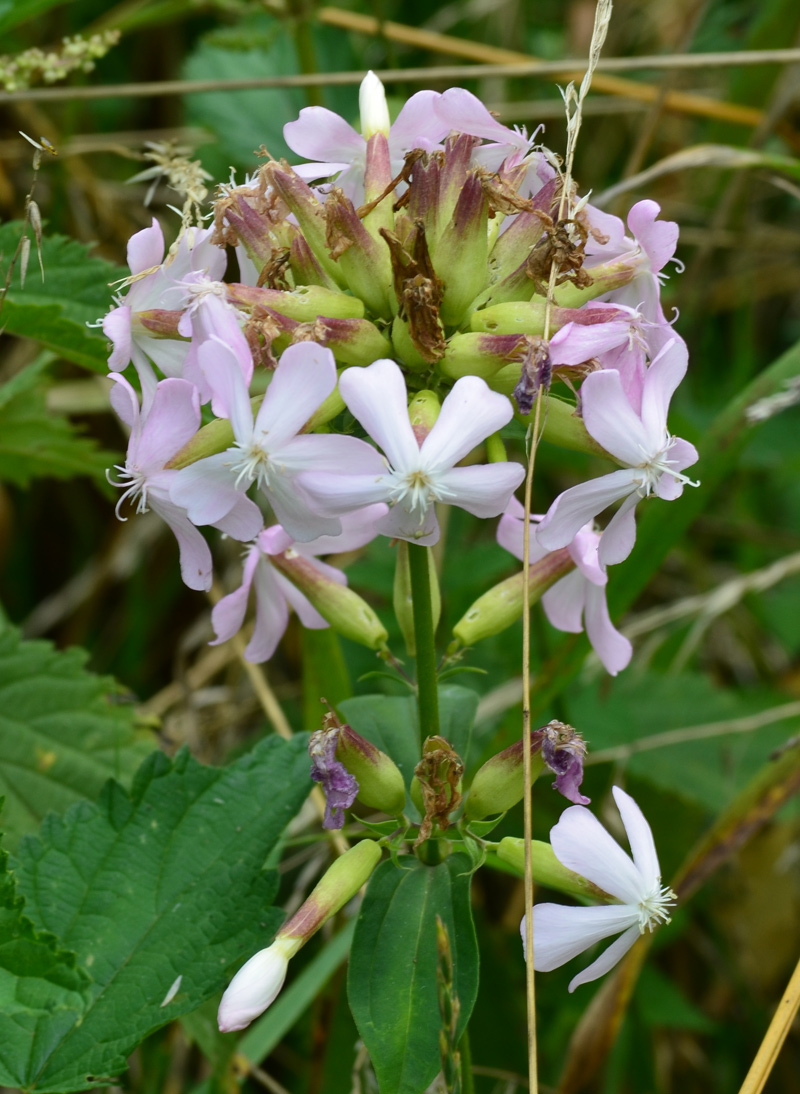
582 844
576 343
613 648
205 489
194 551
658 238
124 400
607 959
338 454
460 110
173 419
243 522
660 383
295 510
304 609
510 532
377 397
617 541
469 414
581 504
221 369
583 550
358 529
117 327
146 248
170 356
418 125
272 615
482 489
561 932
335 494
640 837
319 134
612 421
563 603
227 615
304 378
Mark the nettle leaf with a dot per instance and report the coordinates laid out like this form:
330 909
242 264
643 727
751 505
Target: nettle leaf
62 732
38 979
54 312
34 442
164 883
391 982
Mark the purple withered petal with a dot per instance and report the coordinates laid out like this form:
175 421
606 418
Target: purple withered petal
563 751
338 785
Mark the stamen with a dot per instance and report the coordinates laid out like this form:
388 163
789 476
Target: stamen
654 908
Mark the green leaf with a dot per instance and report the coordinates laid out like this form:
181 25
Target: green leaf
391 981
35 442
13 12
163 883
54 312
38 979
63 732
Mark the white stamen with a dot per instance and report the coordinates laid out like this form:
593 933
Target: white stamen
654 908
133 485
653 467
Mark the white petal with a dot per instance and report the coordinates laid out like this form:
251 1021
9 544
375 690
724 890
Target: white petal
333 494
253 988
561 932
617 541
581 504
304 378
612 421
563 603
469 414
607 959
482 489
219 365
195 554
401 523
640 837
377 396
582 844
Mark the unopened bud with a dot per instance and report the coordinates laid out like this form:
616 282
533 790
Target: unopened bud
478 354
503 604
513 317
372 107
461 253
380 781
608 276
340 883
500 783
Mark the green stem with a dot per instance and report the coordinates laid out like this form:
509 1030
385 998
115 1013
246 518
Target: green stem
427 694
467 1078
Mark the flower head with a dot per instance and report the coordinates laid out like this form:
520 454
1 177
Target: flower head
256 985
582 844
338 785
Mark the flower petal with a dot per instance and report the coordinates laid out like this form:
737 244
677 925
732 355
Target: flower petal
469 414
402 523
243 522
561 932
319 134
333 494
194 551
417 125
173 419
227 615
613 648
377 396
563 603
582 844
205 489
146 248
657 238
304 378
612 421
272 615
482 489
660 382
617 541
607 959
640 837
581 504
117 328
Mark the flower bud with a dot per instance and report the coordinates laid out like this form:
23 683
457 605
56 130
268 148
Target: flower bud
345 610
256 985
340 883
461 253
503 604
380 781
608 276
364 261
484 355
372 107
309 213
305 303
423 410
514 317
546 869
500 784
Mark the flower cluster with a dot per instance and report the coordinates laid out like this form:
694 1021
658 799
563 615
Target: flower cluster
406 264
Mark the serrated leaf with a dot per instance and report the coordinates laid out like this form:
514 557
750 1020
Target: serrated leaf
54 312
62 735
391 981
37 978
165 882
35 442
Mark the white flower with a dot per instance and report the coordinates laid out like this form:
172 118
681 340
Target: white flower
582 844
256 985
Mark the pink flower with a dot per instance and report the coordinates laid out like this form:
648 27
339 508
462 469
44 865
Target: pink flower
653 461
171 420
580 597
275 593
412 477
151 278
270 450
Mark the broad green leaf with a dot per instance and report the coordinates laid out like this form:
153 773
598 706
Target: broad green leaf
391 980
163 883
63 732
13 12
36 443
37 979
54 312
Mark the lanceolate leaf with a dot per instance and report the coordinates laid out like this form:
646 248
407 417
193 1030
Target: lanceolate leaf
392 975
62 732
163 884
54 312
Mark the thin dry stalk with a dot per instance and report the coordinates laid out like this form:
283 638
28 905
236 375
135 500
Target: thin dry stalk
775 1036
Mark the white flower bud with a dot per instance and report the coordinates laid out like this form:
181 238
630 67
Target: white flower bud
372 106
256 984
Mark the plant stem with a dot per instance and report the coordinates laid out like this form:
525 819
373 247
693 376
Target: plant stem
467 1077
427 694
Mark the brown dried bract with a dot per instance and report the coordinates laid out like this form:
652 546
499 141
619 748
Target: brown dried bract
418 290
439 773
273 275
559 248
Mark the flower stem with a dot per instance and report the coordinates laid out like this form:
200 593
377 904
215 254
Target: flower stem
427 694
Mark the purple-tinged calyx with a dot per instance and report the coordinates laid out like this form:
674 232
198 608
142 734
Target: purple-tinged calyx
338 785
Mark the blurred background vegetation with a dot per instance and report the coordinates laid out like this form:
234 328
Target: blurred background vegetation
716 626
